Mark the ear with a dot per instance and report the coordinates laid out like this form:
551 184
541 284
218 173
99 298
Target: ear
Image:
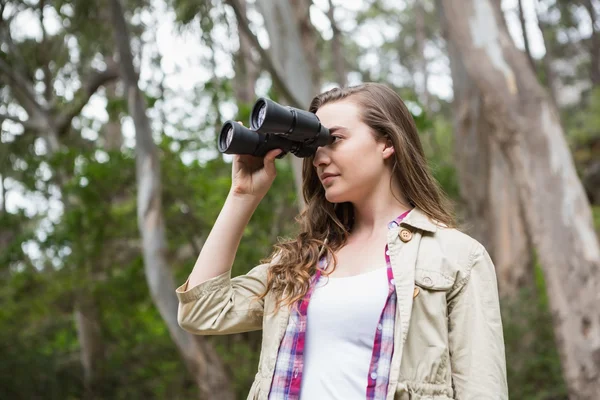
388 150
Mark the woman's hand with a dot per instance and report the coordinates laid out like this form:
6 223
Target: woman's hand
253 176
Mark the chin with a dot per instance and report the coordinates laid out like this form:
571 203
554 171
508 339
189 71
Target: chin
336 196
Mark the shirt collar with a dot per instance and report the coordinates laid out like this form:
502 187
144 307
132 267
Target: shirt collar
416 218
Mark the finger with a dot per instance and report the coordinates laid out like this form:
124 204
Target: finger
241 123
269 163
271 155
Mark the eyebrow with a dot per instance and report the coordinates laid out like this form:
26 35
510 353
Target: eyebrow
336 128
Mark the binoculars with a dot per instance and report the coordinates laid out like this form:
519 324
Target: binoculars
273 126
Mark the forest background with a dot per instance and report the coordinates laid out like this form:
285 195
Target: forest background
110 180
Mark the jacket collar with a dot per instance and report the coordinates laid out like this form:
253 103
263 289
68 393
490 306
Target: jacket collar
418 219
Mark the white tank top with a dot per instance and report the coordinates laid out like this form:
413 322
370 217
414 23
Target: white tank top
342 318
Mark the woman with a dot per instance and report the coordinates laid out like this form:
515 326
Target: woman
378 297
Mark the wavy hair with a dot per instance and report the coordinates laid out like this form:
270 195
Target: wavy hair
324 226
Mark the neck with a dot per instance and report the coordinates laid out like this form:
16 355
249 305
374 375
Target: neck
373 213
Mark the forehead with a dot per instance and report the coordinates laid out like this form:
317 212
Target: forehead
343 113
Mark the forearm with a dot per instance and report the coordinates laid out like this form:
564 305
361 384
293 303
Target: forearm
475 335
219 250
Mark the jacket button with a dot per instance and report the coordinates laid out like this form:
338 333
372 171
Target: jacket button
405 235
427 280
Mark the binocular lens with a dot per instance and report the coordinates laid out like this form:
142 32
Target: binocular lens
262 113
229 137
226 137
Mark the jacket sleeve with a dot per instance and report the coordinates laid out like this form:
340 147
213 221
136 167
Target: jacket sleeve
222 305
475 332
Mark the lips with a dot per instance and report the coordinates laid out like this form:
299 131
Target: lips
327 177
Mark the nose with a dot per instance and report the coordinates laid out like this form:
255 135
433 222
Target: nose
321 157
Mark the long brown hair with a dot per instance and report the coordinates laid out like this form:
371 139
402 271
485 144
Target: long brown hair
324 226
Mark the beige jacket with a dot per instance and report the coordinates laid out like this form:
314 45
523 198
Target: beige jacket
448 335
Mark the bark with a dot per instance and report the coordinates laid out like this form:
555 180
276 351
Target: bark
2 194
269 63
526 128
525 34
48 81
493 209
89 335
246 71
551 78
23 91
308 39
199 356
337 48
282 23
420 38
594 44
112 134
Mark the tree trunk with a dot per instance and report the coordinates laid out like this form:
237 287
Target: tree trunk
89 335
548 60
112 135
283 20
525 34
309 40
51 124
421 38
200 358
337 48
493 209
246 71
525 126
594 44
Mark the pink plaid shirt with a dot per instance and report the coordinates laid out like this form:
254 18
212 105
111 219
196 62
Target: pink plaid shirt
287 377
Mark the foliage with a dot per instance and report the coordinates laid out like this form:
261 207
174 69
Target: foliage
82 237
533 364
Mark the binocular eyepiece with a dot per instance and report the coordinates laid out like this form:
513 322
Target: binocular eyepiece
273 126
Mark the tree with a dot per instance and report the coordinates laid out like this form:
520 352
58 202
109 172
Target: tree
49 116
525 126
200 357
293 45
492 209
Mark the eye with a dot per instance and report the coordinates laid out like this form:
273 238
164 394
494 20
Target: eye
336 138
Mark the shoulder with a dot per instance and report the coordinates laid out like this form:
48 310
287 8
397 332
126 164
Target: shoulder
455 245
450 251
448 245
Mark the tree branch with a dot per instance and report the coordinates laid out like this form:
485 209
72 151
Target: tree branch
339 63
3 195
27 124
273 69
122 39
48 92
20 85
83 95
17 60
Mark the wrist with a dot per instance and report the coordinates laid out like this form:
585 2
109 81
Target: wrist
244 198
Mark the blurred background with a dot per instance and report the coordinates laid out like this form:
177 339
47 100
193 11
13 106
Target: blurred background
110 179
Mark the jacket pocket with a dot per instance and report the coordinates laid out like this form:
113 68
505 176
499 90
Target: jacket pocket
432 280
423 391
425 356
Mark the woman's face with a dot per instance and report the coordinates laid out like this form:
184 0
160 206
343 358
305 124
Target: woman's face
355 159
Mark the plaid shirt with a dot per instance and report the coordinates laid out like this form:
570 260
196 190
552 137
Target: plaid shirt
287 377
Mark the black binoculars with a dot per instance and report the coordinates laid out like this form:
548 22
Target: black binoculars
273 126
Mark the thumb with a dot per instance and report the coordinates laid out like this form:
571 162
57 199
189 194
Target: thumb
269 163
270 156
